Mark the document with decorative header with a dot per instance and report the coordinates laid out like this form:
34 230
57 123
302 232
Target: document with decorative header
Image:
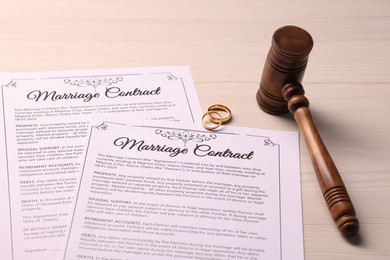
155 192
45 124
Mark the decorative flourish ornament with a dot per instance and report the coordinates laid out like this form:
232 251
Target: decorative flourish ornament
11 84
93 82
102 126
185 136
268 142
172 77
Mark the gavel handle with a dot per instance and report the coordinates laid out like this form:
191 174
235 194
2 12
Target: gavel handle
330 181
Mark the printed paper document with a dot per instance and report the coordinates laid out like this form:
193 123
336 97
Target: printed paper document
152 192
45 125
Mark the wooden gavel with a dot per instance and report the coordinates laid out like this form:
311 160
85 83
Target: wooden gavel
281 91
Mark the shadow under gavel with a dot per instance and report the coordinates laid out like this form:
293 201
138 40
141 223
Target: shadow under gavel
281 91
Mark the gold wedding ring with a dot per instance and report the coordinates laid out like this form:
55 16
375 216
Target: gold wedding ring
215 116
217 122
223 111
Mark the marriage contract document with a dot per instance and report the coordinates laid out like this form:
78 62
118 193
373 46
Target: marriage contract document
149 192
45 124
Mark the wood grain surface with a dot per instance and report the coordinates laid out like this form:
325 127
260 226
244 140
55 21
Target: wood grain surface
225 43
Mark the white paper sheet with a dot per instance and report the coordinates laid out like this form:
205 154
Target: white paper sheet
46 121
5 230
153 192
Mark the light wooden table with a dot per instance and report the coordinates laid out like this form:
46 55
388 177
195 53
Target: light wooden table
225 43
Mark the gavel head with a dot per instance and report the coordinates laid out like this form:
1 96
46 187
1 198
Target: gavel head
286 63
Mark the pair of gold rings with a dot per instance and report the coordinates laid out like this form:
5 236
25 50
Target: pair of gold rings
215 116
